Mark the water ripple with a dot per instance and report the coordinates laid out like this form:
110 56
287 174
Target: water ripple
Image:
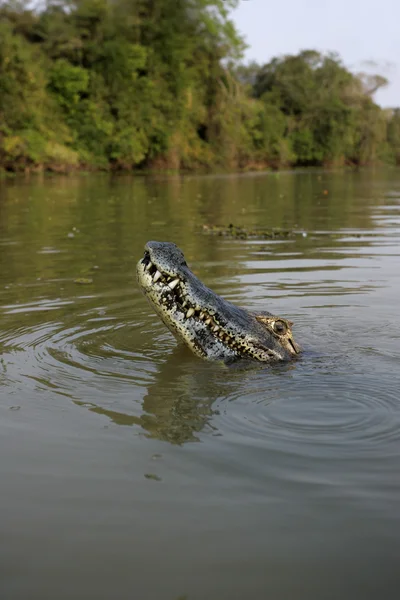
305 410
83 355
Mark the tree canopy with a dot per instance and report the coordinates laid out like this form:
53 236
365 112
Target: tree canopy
158 83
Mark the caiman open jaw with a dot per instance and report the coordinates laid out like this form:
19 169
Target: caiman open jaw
212 327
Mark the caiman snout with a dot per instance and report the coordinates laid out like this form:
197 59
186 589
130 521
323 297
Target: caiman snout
211 326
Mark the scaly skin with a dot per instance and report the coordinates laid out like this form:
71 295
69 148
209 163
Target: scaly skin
212 327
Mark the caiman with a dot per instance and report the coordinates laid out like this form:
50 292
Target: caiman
212 327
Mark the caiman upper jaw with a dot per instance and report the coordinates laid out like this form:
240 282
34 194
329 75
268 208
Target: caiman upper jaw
212 327
172 293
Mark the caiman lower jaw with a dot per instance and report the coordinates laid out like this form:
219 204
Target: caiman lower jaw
172 293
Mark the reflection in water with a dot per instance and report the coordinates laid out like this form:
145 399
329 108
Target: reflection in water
177 404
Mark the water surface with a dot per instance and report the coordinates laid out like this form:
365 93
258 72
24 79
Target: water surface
130 468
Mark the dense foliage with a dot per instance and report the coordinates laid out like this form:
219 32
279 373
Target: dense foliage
157 83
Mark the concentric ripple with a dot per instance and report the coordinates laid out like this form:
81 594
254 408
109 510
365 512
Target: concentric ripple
88 355
299 411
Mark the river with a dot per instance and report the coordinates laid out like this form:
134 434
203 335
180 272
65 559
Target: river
131 469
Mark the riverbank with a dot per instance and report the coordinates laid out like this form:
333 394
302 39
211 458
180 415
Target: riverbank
49 171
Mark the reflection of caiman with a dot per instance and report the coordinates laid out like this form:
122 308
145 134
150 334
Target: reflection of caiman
178 401
212 327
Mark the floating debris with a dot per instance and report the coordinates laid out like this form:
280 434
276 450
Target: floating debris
241 233
83 280
152 476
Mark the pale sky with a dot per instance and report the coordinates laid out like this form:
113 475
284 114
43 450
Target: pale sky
361 31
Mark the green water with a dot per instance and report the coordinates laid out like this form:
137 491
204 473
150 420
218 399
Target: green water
130 468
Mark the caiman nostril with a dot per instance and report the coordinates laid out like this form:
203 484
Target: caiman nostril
146 259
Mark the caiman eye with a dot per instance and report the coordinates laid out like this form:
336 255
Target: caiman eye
280 327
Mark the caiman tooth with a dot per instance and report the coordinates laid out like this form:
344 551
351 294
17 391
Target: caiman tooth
202 316
173 284
190 312
221 335
216 328
148 266
156 276
208 321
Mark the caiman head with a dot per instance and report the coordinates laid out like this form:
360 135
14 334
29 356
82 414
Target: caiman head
212 327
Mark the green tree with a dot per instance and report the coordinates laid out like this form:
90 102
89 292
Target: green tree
394 135
157 83
30 133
